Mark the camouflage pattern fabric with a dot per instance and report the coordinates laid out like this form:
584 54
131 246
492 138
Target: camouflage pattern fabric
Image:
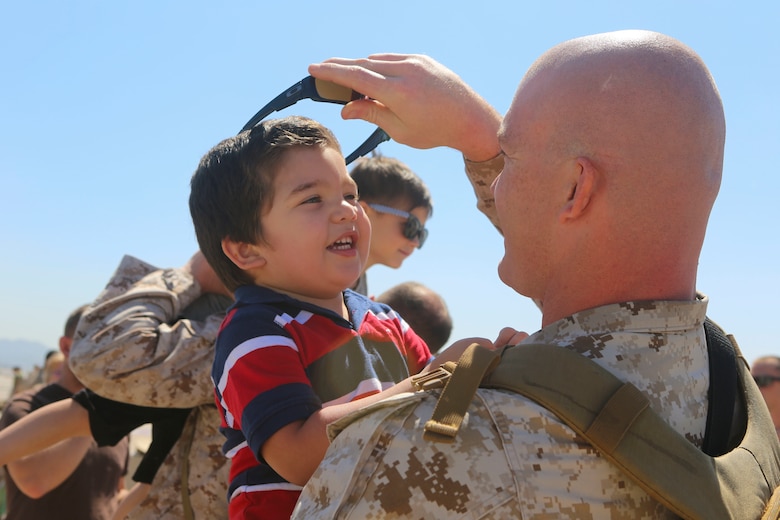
512 458
481 176
130 346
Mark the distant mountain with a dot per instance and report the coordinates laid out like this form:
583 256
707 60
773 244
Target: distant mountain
22 353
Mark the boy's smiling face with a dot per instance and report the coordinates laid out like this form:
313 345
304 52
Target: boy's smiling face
316 235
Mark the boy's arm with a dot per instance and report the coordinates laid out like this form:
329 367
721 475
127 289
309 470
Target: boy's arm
133 346
296 449
35 449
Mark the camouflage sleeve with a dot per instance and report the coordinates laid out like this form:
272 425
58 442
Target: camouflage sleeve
130 345
481 175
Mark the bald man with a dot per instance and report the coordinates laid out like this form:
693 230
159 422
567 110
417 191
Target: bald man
601 178
766 372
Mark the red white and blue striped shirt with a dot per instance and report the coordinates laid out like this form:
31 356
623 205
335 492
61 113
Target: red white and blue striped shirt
278 360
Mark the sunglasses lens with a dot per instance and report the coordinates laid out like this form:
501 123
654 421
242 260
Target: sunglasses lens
763 381
414 229
422 236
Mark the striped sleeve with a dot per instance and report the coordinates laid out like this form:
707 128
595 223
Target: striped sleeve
260 382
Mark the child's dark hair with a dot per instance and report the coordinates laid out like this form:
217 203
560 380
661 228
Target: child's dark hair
388 181
233 186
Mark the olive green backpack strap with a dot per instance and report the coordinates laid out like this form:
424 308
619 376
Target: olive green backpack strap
460 381
616 418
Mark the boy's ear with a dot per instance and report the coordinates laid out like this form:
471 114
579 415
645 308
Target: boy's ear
582 188
246 256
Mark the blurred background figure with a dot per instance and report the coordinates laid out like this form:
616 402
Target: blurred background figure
766 372
52 370
37 376
18 380
73 479
423 309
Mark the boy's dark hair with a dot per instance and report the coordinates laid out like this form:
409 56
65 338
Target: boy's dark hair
233 186
388 181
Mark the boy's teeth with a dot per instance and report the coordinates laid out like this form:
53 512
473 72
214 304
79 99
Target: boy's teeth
344 243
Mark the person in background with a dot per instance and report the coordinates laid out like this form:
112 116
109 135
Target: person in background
18 381
766 373
148 341
52 369
601 177
398 204
36 376
107 422
71 480
423 309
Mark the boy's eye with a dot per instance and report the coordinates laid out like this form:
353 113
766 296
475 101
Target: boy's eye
313 200
351 197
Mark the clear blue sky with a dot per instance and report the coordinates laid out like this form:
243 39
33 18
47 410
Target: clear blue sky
106 108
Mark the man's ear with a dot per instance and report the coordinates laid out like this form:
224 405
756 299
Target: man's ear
583 184
65 344
246 256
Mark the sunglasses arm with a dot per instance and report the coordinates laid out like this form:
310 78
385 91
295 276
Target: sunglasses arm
307 88
378 137
287 98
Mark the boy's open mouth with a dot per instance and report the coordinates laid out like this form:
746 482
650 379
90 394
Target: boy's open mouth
342 244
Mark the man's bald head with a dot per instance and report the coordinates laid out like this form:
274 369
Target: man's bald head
640 114
634 91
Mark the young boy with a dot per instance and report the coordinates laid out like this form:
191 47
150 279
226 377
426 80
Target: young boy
397 203
277 216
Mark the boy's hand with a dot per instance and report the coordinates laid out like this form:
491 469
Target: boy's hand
509 336
454 351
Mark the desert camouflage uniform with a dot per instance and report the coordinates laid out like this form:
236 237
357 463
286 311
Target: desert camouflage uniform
512 458
130 347
481 175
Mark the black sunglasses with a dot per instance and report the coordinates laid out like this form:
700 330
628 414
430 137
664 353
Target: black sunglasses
763 381
319 90
412 229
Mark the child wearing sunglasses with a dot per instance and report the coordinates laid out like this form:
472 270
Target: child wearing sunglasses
398 204
278 218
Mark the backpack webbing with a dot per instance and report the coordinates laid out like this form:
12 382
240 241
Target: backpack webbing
722 393
616 418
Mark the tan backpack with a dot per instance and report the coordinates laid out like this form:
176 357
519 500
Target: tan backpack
616 418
